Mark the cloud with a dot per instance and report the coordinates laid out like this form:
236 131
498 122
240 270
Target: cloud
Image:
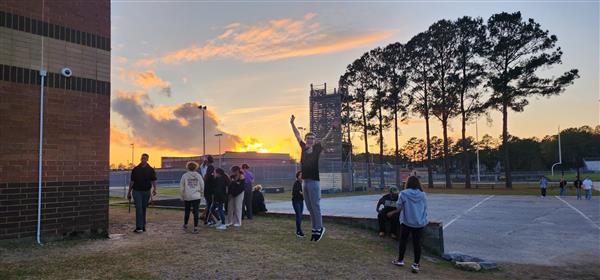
175 128
270 40
145 62
147 80
118 136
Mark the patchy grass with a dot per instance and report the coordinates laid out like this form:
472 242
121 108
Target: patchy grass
264 248
570 177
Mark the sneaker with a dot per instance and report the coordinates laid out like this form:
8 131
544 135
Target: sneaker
237 225
393 236
319 235
210 223
415 267
398 263
221 227
195 230
185 227
300 234
229 224
381 234
138 230
144 229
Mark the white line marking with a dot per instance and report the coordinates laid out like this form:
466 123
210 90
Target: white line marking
580 213
468 210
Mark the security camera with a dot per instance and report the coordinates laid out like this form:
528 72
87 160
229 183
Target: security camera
67 72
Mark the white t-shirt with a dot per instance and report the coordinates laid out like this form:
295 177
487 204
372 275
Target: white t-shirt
587 184
191 186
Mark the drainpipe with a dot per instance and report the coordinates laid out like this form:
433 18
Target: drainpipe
42 77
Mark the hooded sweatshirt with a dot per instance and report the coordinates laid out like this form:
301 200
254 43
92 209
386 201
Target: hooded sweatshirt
414 208
191 186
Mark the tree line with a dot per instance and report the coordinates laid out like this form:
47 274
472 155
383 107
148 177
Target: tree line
456 69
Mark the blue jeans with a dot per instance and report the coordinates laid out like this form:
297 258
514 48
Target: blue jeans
141 199
217 207
298 208
578 190
209 208
562 192
588 194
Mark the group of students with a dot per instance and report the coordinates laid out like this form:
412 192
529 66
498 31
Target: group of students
587 185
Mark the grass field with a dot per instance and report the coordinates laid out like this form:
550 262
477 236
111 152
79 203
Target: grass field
264 248
595 177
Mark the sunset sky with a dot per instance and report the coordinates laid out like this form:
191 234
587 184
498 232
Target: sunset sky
252 63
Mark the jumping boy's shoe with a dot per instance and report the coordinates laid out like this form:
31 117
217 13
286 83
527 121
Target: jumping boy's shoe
398 263
300 234
319 234
415 267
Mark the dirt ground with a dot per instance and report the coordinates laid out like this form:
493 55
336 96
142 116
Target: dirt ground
264 248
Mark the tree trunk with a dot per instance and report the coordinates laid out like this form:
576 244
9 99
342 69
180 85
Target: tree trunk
467 162
507 173
446 167
365 134
381 169
429 170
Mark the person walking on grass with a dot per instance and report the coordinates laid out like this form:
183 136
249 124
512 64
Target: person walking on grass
143 178
562 185
543 185
577 184
388 201
412 207
311 188
298 203
248 180
209 185
191 186
220 197
588 186
235 192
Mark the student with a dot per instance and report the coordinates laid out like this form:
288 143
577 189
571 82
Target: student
543 185
587 186
235 192
298 203
220 196
248 180
258 201
143 178
389 204
191 186
311 188
562 185
209 186
412 206
577 184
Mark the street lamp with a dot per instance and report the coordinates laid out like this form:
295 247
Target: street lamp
203 109
220 155
132 149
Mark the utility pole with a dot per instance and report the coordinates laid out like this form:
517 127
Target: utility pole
559 153
132 149
203 109
220 155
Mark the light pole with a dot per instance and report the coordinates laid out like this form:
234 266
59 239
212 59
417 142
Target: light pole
220 155
132 149
559 153
203 109
477 149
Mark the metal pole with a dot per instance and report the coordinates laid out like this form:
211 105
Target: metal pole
477 149
203 132
559 154
132 152
41 147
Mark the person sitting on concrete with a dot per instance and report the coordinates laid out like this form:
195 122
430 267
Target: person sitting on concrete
412 206
388 201
191 186
258 201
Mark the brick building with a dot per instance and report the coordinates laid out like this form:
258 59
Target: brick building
75 34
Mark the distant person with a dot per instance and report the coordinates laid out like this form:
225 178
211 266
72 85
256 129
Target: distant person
311 188
258 201
209 186
562 185
191 186
543 185
388 201
577 184
143 178
298 203
412 207
220 196
248 180
588 186
235 192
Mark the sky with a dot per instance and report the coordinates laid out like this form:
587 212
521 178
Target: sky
252 63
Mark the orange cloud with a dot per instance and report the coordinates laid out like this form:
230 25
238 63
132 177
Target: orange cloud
118 136
146 80
272 40
145 62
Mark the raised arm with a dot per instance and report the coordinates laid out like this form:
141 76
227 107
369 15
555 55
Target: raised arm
328 134
296 132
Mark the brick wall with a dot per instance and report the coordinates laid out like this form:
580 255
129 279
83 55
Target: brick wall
76 126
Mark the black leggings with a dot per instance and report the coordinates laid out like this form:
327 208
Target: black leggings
417 236
195 204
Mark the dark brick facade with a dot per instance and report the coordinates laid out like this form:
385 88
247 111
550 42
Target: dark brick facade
76 127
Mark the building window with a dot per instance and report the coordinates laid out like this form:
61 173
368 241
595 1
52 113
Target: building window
2 19
21 23
9 20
